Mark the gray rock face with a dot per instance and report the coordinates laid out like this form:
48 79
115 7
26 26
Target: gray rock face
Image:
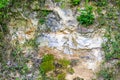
64 37
52 23
60 20
67 18
71 41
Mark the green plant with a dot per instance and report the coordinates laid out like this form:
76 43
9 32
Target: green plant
111 47
102 3
101 20
70 70
47 63
106 74
46 66
75 2
41 20
17 79
64 62
61 76
48 57
24 69
43 14
56 66
117 65
86 18
111 13
31 42
3 3
1 35
57 0
118 3
4 17
99 10
19 65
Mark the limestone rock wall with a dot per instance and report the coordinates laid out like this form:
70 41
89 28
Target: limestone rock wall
64 36
61 32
